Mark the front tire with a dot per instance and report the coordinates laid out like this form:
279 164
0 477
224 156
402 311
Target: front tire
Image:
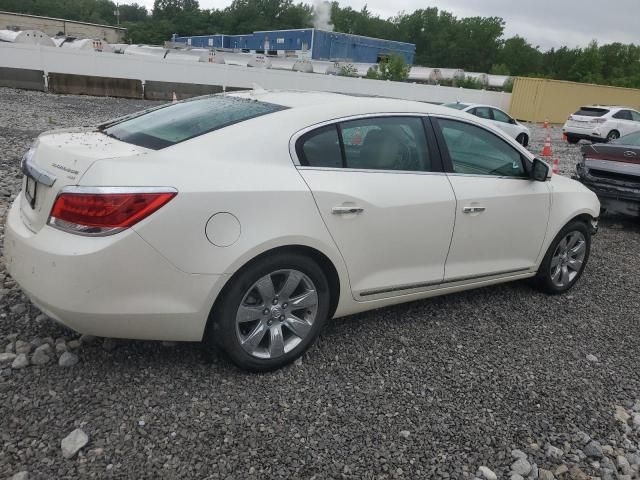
565 259
271 312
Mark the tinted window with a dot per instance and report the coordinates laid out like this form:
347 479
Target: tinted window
386 143
500 116
623 115
457 106
592 112
474 150
635 116
321 148
482 112
631 139
177 122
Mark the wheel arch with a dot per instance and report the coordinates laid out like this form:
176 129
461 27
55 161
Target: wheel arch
611 131
323 261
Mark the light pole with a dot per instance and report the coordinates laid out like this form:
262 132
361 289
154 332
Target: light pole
117 14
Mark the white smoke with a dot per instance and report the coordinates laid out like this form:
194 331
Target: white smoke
322 15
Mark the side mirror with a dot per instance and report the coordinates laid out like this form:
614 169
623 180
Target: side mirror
513 121
540 171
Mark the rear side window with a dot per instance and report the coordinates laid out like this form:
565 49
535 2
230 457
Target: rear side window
378 143
483 112
182 121
635 116
592 112
623 115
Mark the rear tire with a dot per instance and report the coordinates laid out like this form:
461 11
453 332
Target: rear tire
572 140
565 259
523 139
613 135
270 312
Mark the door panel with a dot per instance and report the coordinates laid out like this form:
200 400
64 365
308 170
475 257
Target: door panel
502 215
400 237
507 236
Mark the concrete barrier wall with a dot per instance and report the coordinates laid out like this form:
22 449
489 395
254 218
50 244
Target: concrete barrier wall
537 99
98 86
59 60
22 78
154 90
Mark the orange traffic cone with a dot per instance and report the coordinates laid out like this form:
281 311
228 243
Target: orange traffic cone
175 99
546 123
564 137
556 165
546 151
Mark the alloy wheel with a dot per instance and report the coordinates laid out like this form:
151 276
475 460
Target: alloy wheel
568 259
276 313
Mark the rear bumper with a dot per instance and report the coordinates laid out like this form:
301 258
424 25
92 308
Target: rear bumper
116 286
584 135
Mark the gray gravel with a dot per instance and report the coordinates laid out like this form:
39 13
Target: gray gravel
431 389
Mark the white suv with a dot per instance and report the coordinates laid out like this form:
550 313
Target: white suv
601 124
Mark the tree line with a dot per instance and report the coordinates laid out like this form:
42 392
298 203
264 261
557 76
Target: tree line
475 44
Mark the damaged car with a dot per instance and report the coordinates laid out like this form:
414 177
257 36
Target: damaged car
612 171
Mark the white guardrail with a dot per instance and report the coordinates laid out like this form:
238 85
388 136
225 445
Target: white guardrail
102 64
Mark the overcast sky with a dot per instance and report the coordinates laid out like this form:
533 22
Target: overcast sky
547 23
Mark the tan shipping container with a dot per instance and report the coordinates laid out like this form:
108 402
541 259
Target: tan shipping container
538 99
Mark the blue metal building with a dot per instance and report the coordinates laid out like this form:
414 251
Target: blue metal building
310 43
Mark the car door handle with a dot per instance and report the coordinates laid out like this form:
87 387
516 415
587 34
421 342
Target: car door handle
473 209
629 153
346 210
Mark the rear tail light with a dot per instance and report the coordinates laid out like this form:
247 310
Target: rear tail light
100 211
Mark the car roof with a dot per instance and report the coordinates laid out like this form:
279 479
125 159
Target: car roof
341 103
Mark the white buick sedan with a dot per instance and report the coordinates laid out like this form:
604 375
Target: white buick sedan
249 220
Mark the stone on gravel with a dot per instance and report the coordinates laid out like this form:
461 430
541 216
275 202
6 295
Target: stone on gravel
68 359
521 467
73 442
592 358
10 348
18 308
7 357
44 348
24 475
87 339
486 473
554 453
405 434
593 449
576 473
516 476
624 465
518 454
581 438
561 470
61 347
621 414
43 317
545 475
635 419
73 344
20 361
22 347
109 344
39 357
634 458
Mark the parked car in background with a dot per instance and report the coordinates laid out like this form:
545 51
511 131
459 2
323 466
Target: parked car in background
499 118
601 124
612 171
176 224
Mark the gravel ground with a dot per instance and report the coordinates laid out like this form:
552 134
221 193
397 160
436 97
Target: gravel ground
503 378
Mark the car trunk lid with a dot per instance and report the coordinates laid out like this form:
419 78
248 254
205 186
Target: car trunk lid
59 159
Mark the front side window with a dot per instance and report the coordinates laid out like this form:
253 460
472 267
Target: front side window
500 116
166 126
623 115
380 143
476 151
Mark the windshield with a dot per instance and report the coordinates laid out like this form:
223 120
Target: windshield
631 139
178 122
457 106
591 112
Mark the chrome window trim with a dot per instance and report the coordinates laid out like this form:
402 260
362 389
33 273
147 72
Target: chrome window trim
39 174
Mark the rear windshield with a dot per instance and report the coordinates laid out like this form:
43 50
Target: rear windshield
178 122
457 106
592 112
